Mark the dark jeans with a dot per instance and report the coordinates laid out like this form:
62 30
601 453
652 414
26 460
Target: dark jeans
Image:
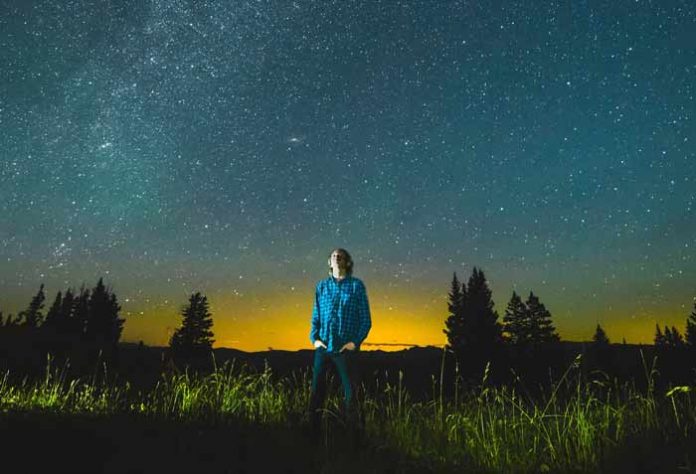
345 364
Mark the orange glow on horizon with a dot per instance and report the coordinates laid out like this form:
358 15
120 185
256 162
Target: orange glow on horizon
282 321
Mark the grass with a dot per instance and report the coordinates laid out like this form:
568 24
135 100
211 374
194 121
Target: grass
578 425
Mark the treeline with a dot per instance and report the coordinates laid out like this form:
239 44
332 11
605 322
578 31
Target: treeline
671 337
526 340
85 327
87 322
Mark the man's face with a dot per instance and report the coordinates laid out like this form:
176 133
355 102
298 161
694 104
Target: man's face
338 260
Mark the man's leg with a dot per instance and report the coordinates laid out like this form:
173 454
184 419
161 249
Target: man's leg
318 389
347 371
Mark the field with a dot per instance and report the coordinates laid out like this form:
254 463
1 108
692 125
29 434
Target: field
236 421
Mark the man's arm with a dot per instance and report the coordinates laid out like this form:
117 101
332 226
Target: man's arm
316 320
364 318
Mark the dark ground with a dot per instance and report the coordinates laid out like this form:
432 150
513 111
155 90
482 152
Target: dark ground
53 443
47 442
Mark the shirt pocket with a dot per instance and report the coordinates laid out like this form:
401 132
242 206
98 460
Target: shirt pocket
346 299
347 296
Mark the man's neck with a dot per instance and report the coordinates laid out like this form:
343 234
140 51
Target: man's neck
339 276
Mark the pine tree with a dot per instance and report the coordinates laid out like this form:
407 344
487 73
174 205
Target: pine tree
600 337
660 340
58 329
9 321
668 336
66 322
104 326
12 320
194 337
479 307
516 321
600 353
541 330
32 315
477 333
678 337
690 335
673 337
455 321
53 315
457 296
80 312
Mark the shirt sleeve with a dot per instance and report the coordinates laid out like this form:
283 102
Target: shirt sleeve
364 318
316 320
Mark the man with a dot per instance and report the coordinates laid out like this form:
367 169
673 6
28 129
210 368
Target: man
340 323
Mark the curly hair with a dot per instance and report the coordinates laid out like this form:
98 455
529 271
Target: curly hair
349 261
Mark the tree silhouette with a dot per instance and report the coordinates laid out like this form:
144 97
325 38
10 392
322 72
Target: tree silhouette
32 316
476 334
194 339
56 330
21 338
66 320
80 312
479 310
659 340
690 335
673 337
600 354
600 338
9 321
541 330
54 313
104 326
528 325
516 320
455 321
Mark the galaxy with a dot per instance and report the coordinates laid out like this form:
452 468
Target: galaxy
172 147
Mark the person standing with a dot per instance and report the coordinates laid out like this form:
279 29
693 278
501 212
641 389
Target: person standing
340 323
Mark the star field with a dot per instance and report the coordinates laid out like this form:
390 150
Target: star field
228 147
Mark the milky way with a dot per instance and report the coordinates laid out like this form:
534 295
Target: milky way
228 147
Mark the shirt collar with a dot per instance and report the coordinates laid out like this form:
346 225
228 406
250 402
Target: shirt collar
333 278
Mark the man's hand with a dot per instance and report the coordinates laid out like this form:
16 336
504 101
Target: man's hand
350 346
318 344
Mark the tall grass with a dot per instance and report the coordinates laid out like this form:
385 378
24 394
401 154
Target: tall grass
54 392
572 427
223 394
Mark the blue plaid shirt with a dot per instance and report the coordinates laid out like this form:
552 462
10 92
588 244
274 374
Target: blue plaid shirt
341 313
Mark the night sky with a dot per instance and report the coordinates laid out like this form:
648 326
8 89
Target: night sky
227 147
